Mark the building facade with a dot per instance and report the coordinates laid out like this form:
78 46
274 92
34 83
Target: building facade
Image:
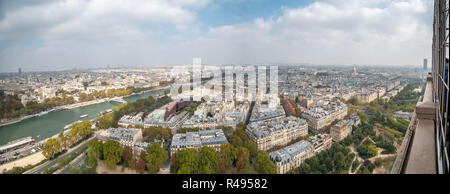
194 140
292 156
344 128
320 117
276 132
321 142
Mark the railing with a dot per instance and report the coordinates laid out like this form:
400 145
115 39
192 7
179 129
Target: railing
426 146
417 154
403 151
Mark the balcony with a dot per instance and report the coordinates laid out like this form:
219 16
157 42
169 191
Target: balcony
417 154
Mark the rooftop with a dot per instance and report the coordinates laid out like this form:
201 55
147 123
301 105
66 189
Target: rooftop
207 137
262 129
285 154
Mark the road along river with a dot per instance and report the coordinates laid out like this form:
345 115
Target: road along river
47 125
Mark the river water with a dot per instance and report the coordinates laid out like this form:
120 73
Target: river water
52 123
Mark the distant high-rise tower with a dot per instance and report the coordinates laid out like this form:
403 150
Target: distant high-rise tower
425 60
354 70
20 70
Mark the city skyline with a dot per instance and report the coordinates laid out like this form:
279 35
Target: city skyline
62 35
305 113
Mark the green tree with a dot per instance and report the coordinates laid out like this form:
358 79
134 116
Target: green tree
187 161
263 164
91 160
236 141
95 152
208 160
51 148
304 168
378 162
16 170
354 101
112 153
95 149
62 140
156 133
252 148
372 151
79 131
228 154
83 97
246 171
156 156
363 117
106 121
339 161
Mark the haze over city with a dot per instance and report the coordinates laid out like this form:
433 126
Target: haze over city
62 34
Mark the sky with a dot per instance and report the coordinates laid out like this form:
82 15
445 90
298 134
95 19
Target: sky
43 35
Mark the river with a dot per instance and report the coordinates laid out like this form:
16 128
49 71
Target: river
52 123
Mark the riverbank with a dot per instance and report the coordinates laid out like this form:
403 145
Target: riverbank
32 159
13 121
73 106
54 122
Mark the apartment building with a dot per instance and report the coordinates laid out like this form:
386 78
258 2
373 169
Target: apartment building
343 128
321 142
320 117
276 132
211 138
292 156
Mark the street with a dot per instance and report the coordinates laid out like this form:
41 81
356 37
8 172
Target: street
39 169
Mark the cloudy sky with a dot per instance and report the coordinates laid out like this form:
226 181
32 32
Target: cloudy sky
63 34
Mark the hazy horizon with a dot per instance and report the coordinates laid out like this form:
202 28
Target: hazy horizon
100 67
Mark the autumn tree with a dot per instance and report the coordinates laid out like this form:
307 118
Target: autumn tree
128 159
51 148
140 165
79 131
220 167
62 140
242 159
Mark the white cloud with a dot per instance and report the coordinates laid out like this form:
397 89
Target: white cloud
373 32
95 33
62 18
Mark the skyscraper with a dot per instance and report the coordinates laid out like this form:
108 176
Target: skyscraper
20 70
425 60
